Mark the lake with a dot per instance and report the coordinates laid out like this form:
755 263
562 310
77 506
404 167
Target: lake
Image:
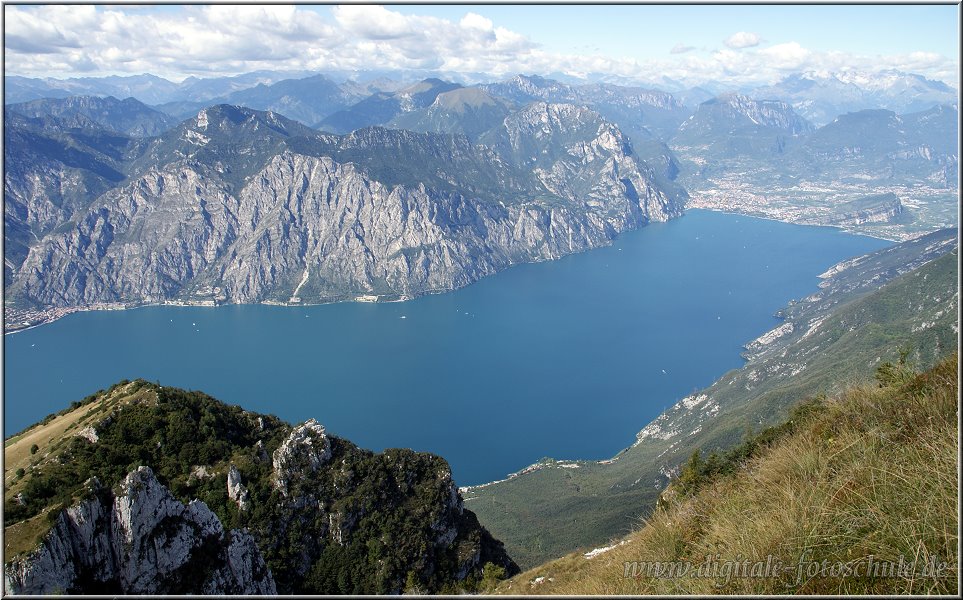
567 359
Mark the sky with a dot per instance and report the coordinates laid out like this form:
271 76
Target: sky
731 44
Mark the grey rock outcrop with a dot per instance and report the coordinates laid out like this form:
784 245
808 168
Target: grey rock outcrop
236 490
140 540
305 449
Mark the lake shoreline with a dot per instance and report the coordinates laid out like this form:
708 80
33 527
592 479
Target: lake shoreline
49 315
521 353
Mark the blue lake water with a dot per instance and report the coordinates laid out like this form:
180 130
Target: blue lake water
567 359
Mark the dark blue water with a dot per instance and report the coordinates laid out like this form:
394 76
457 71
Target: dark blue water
567 359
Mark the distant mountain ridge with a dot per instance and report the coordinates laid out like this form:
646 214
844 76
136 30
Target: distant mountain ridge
817 96
130 116
382 107
735 125
307 99
469 111
822 96
658 112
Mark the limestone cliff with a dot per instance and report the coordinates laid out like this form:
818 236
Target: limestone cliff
140 540
241 206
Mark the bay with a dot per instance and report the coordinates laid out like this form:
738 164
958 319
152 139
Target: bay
568 358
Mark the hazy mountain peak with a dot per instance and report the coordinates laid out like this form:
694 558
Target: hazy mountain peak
460 99
766 113
231 117
129 116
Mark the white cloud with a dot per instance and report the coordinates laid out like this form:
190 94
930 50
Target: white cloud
743 39
476 21
65 41
786 56
374 22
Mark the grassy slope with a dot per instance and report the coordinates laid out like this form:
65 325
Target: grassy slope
870 472
552 511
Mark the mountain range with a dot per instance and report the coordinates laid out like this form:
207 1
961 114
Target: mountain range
240 205
820 97
129 117
727 131
817 96
474 179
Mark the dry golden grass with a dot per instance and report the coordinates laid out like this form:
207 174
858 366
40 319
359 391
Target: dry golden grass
874 476
16 453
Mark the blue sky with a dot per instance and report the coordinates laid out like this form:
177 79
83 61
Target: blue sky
647 31
733 44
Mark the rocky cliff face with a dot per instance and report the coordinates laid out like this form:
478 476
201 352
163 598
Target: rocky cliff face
51 173
140 540
331 218
639 112
884 208
766 113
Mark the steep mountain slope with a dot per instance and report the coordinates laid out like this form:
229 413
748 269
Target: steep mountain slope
239 205
646 117
734 125
309 512
474 111
51 172
577 155
866 313
382 107
469 111
129 117
232 141
816 505
641 113
139 540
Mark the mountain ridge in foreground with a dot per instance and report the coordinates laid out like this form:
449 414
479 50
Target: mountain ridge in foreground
146 489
